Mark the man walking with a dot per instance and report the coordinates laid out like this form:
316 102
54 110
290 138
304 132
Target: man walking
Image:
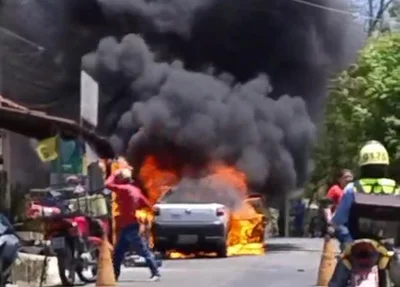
129 199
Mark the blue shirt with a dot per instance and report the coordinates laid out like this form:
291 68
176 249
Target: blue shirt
342 214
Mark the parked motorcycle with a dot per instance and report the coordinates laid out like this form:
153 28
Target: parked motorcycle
369 261
75 236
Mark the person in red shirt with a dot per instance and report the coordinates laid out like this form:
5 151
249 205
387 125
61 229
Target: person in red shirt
129 199
335 193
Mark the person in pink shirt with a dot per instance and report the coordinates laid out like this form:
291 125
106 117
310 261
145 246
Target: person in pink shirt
335 192
334 196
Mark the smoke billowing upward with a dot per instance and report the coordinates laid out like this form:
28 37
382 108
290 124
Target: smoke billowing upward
203 190
239 81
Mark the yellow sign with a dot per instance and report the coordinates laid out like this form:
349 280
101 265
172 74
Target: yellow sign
47 149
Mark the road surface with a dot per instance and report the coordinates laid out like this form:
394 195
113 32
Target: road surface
288 262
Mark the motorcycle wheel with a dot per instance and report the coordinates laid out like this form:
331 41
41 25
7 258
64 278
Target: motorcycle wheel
66 265
87 272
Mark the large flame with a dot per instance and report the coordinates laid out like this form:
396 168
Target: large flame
246 231
157 181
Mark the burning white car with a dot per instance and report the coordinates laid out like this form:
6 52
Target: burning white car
186 224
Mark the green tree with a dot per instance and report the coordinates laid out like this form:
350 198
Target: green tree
376 12
364 104
394 11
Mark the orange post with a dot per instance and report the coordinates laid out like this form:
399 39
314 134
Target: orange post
327 264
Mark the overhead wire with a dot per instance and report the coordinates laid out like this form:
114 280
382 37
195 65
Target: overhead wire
22 39
344 12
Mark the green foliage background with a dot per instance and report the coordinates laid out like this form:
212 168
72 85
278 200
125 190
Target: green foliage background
364 104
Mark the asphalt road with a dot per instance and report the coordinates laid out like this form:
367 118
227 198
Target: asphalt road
287 262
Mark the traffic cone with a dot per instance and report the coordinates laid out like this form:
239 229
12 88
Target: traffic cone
105 269
327 264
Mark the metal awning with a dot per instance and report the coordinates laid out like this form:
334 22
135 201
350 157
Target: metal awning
39 125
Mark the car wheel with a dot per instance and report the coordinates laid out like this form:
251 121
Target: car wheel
222 250
161 251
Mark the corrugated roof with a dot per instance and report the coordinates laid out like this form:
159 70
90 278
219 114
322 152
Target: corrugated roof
39 125
10 104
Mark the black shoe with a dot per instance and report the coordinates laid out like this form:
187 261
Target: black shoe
116 274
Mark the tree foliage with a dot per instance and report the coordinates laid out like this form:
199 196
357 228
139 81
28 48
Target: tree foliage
364 104
376 11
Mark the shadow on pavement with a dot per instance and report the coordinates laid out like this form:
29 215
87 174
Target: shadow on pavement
271 247
76 284
134 281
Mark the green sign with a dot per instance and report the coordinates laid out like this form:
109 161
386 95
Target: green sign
70 158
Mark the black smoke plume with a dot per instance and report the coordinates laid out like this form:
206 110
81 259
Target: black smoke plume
41 46
240 81
205 190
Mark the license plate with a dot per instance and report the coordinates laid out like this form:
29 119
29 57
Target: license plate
187 239
58 243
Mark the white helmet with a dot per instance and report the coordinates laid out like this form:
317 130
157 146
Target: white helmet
373 153
125 173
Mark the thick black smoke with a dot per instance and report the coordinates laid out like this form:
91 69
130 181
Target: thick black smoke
205 190
261 116
41 46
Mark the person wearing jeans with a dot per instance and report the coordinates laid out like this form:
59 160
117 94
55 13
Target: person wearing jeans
130 237
342 234
333 198
372 189
338 226
129 199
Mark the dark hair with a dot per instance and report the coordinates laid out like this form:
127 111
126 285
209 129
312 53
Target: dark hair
374 171
339 174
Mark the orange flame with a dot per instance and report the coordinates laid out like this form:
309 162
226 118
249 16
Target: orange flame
156 181
246 231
